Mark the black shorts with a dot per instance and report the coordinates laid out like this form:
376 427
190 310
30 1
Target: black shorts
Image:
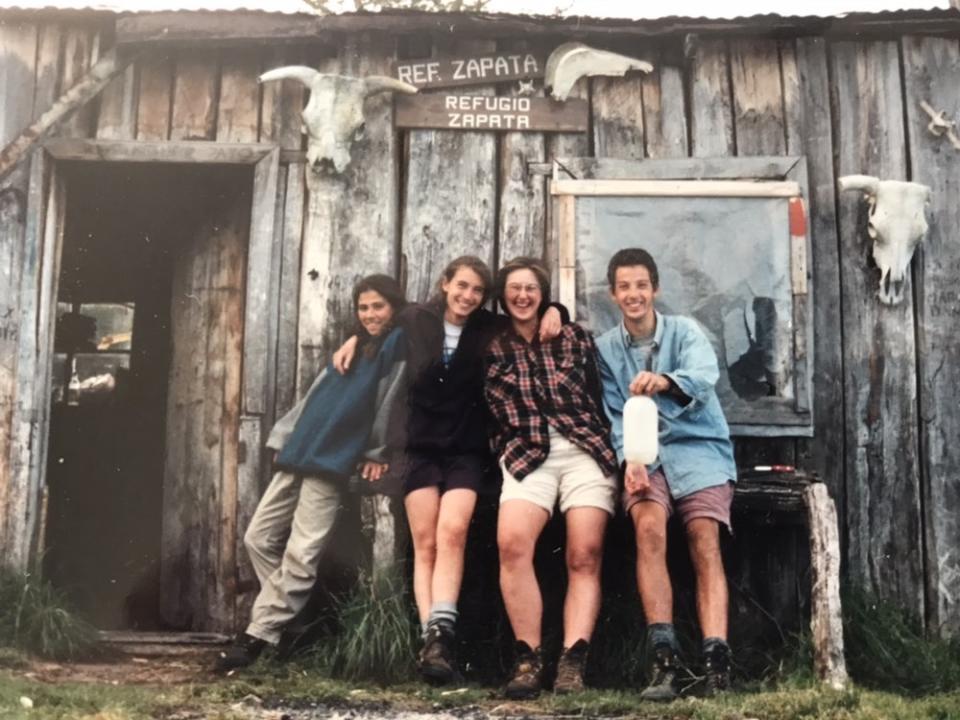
450 472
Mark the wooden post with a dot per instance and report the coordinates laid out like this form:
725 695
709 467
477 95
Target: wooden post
380 527
826 621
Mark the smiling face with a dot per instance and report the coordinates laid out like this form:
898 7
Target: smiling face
522 296
374 312
463 293
634 293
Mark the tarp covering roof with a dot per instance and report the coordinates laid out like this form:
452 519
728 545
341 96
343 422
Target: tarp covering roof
619 9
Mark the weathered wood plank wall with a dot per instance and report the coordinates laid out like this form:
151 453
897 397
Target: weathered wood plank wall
37 61
17 79
885 447
882 468
931 67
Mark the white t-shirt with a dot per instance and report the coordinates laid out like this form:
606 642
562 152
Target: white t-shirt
451 338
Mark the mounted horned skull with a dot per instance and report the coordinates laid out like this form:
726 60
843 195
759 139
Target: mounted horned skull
897 223
333 117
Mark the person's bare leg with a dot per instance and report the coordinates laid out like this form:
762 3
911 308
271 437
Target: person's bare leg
653 579
423 508
585 529
453 522
703 536
518 526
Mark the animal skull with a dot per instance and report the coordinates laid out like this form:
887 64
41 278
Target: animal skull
333 117
571 61
897 224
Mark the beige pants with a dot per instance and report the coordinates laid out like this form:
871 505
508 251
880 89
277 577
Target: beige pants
307 508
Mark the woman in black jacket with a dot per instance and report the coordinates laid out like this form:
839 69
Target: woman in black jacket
448 453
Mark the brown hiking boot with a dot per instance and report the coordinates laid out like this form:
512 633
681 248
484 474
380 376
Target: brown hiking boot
662 687
437 660
527 677
570 668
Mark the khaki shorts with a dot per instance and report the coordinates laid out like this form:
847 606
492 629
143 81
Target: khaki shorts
570 474
712 502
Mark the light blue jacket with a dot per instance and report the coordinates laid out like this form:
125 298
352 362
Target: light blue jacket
695 447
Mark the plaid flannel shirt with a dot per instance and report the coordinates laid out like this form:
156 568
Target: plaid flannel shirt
529 384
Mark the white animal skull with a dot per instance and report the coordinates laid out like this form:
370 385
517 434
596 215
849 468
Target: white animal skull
897 224
333 117
571 61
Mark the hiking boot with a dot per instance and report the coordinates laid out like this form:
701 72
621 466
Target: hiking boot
437 660
243 652
663 677
526 681
570 668
717 665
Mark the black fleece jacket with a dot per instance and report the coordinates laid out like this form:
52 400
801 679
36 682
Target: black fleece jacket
447 411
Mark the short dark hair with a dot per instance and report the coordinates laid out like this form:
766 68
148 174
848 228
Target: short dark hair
525 263
630 257
472 262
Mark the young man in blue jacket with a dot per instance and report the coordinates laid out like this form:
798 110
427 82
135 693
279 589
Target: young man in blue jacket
668 358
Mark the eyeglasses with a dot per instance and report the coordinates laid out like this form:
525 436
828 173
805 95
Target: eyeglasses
516 288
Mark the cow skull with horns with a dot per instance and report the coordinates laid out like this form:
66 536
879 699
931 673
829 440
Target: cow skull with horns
897 224
333 117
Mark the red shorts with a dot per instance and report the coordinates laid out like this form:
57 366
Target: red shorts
711 502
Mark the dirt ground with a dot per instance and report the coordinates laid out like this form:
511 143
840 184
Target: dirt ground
170 665
134 665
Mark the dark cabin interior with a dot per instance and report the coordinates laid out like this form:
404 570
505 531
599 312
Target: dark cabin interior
125 225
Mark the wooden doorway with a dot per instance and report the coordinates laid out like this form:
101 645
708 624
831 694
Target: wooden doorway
162 526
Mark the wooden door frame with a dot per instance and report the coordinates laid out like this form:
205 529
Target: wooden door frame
40 287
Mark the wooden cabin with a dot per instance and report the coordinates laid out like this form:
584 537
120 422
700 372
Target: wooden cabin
176 211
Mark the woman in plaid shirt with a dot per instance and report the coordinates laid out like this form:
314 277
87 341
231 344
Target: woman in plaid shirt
447 454
552 440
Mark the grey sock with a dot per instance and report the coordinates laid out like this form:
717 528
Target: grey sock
443 614
662 634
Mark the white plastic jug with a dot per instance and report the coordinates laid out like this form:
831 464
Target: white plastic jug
640 428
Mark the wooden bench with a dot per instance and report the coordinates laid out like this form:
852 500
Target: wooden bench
775 498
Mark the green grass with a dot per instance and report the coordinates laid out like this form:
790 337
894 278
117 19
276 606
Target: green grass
295 686
887 649
376 638
34 617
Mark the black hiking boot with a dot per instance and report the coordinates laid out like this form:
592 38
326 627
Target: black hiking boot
526 681
663 678
570 668
438 662
716 662
243 652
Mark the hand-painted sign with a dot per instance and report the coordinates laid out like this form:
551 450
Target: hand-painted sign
489 112
481 70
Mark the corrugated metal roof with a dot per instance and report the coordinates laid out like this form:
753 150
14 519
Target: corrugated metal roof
705 9
558 9
123 6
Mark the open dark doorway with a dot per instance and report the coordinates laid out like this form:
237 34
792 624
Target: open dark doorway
144 269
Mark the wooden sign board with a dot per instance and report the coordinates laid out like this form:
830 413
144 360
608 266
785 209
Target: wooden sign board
450 111
481 70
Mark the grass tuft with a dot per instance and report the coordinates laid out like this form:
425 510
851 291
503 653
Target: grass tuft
377 639
886 649
35 618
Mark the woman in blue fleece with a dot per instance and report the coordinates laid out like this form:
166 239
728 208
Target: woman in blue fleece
339 427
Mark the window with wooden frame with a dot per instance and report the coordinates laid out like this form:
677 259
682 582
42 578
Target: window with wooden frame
730 241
